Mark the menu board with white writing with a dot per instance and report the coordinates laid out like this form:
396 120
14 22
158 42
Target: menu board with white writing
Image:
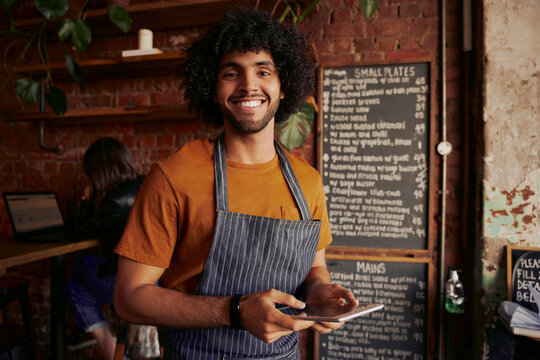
398 331
375 146
523 268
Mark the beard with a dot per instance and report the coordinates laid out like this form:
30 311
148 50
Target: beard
250 126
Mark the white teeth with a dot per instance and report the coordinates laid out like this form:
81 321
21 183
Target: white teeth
250 103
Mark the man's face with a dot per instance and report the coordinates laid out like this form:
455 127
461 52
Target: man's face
248 90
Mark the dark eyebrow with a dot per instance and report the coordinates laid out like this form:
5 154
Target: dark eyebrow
234 64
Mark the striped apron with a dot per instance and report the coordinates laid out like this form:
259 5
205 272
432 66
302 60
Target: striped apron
249 254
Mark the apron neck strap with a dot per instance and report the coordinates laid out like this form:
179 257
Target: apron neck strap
220 176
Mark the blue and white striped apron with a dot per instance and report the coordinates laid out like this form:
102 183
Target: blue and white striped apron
249 254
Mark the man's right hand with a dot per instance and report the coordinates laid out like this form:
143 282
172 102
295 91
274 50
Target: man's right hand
259 316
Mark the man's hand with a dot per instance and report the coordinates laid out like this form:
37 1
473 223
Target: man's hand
329 293
259 316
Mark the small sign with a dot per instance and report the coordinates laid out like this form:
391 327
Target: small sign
523 267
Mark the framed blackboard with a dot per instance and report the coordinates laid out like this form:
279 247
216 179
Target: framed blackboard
399 331
374 126
522 268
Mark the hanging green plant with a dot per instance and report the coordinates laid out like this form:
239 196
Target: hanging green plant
74 32
293 131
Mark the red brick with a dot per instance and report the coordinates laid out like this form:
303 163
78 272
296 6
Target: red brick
374 56
366 44
409 55
431 41
424 25
147 141
334 3
163 154
143 128
50 167
67 168
408 44
97 101
20 167
130 141
30 181
8 182
107 129
124 128
132 100
386 12
350 30
7 168
323 46
387 44
146 85
169 98
38 154
409 10
319 17
165 141
9 155
389 28
431 9
341 16
342 46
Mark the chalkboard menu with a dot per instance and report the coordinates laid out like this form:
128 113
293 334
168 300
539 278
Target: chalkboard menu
398 331
375 146
523 267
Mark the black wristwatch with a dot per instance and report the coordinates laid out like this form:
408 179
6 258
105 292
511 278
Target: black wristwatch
234 312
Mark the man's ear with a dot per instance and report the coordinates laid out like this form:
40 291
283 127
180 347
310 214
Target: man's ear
214 98
282 95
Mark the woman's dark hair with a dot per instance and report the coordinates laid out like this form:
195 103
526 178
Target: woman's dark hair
248 30
107 163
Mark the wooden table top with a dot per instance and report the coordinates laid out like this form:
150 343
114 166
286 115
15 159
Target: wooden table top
14 253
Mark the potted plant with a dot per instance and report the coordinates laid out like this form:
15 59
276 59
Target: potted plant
68 27
293 131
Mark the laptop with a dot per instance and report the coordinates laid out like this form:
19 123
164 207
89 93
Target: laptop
36 216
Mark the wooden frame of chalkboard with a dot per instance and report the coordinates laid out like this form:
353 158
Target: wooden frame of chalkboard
522 267
344 125
404 326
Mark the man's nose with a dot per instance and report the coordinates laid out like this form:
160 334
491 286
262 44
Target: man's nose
249 83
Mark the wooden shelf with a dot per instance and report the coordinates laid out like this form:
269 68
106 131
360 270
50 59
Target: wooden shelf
157 15
106 115
114 68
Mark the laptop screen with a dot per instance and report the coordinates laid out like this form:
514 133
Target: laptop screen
33 211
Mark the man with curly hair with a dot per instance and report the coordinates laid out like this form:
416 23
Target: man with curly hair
235 226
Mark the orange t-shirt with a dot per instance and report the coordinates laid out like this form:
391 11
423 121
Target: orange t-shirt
171 224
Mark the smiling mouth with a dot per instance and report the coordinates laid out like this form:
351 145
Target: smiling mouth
248 103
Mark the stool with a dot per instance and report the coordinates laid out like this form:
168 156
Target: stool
11 336
13 288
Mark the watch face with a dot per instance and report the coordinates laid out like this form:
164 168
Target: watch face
444 148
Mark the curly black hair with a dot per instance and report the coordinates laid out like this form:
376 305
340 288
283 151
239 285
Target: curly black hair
248 30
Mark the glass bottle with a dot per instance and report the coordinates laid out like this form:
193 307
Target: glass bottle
455 296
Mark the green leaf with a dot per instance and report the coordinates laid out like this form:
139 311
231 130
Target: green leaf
81 36
293 131
64 28
6 4
120 17
74 70
56 98
369 7
52 8
26 90
307 10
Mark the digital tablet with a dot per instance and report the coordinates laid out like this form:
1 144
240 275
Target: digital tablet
331 312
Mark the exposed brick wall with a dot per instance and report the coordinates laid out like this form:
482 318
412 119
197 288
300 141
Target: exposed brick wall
400 29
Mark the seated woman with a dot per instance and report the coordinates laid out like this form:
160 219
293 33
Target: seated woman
102 214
